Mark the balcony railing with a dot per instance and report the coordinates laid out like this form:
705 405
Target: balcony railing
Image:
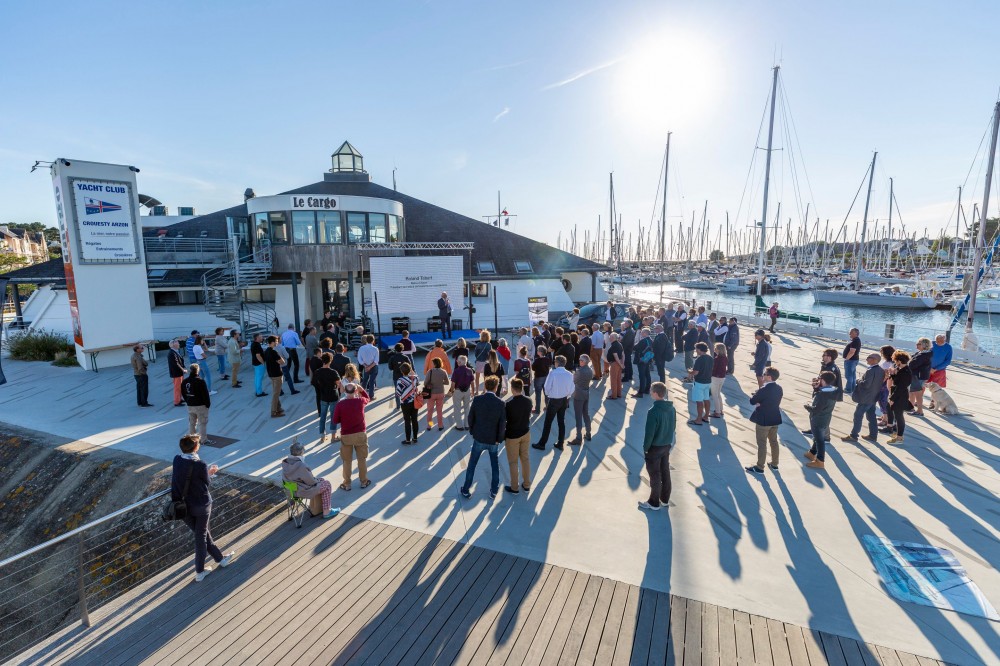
191 251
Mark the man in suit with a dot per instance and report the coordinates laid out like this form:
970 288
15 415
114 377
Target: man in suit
663 351
444 314
628 344
767 417
732 342
865 394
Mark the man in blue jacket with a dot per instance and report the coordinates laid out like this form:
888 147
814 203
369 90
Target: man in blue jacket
487 425
865 394
767 417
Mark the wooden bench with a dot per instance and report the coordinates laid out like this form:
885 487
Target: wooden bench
150 346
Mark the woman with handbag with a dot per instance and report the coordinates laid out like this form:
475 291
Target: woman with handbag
408 395
192 503
434 383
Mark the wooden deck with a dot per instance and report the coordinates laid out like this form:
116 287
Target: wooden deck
349 591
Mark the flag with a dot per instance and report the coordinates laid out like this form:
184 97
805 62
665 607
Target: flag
505 212
95 206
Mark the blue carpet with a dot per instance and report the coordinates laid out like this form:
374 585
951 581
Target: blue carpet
388 341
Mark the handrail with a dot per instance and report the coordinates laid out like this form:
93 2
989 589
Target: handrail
114 514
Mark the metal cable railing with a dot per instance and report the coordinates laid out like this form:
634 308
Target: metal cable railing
55 583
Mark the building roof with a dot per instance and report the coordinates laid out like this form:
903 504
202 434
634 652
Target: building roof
425 222
46 272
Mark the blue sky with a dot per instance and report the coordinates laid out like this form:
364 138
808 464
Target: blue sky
539 100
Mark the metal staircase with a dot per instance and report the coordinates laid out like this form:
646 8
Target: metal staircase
225 297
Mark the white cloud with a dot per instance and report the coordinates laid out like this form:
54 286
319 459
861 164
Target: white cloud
503 113
582 74
508 65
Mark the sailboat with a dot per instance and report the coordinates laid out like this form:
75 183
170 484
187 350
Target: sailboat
907 298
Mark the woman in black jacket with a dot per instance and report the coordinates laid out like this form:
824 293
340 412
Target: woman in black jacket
899 394
920 367
189 482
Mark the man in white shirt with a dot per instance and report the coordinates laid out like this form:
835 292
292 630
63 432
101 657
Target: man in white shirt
597 350
291 342
368 365
526 341
559 388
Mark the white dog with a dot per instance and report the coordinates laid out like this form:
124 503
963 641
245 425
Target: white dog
943 403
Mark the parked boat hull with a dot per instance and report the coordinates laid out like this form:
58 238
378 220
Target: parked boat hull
900 301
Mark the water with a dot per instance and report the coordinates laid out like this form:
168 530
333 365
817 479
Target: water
910 324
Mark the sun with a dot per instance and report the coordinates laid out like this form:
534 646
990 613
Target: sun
667 80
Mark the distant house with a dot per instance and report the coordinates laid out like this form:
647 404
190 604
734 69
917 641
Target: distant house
28 245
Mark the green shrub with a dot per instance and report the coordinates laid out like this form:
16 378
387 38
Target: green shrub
36 345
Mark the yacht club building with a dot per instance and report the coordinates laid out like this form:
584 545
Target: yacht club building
279 259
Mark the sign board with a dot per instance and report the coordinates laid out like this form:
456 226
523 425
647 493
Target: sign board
105 222
538 309
407 285
97 209
927 575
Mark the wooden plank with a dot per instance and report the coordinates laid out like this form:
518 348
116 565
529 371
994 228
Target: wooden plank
692 633
526 625
907 659
870 654
595 628
419 578
797 652
380 642
888 656
526 592
831 647
464 614
566 620
340 638
480 639
612 625
852 651
727 637
710 635
927 661
779 643
360 600
668 627
557 608
744 638
761 640
643 627
167 624
264 619
442 607
574 641
630 614
508 636
117 633
814 646
461 647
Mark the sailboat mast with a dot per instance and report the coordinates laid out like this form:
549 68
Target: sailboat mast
958 218
864 222
663 220
767 183
981 236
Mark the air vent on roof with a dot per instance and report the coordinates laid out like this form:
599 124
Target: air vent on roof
204 233
185 210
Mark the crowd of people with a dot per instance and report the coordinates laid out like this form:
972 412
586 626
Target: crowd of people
496 389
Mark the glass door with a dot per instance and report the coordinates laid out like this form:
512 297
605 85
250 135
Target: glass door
337 297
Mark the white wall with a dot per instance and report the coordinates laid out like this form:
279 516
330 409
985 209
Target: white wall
48 309
580 288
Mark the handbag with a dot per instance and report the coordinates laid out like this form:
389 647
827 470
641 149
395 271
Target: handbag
177 509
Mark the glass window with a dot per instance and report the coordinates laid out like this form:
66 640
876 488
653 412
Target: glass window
376 227
393 228
356 228
328 224
486 267
279 228
523 267
262 229
260 295
303 227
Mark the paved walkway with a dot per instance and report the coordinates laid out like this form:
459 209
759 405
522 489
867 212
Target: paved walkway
334 594
786 546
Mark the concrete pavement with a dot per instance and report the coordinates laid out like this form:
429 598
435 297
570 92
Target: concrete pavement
786 545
